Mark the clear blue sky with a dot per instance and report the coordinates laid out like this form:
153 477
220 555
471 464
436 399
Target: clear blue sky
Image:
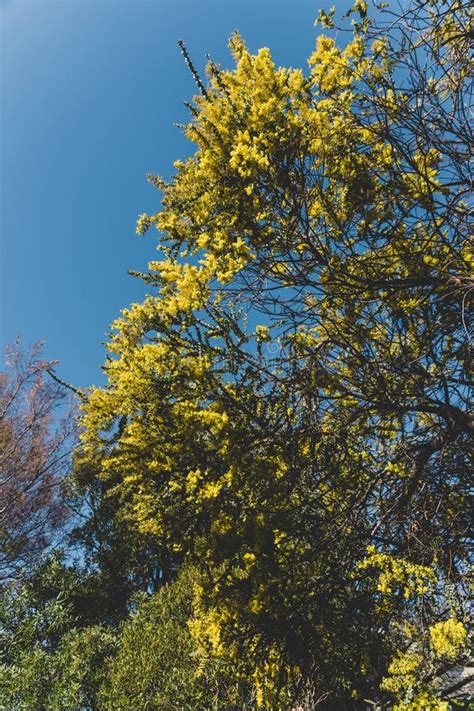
90 92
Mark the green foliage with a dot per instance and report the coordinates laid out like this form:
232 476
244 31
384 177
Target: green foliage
157 665
120 561
50 660
66 679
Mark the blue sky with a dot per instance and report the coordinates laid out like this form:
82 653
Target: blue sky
90 92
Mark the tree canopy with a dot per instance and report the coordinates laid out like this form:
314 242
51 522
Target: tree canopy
288 406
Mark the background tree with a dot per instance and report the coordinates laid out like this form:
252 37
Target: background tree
57 653
119 560
37 430
157 664
53 648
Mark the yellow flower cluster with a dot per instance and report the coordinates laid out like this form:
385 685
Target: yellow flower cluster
448 638
398 574
403 671
422 702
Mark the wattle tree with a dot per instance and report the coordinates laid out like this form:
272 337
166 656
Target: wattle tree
287 410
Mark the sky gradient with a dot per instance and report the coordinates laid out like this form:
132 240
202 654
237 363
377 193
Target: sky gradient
90 92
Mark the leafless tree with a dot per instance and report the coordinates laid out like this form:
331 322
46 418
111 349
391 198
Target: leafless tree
37 431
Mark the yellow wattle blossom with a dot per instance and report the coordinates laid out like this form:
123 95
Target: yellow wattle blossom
422 702
143 224
448 638
263 334
402 670
398 574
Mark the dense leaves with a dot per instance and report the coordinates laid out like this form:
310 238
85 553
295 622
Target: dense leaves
55 656
157 665
52 650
